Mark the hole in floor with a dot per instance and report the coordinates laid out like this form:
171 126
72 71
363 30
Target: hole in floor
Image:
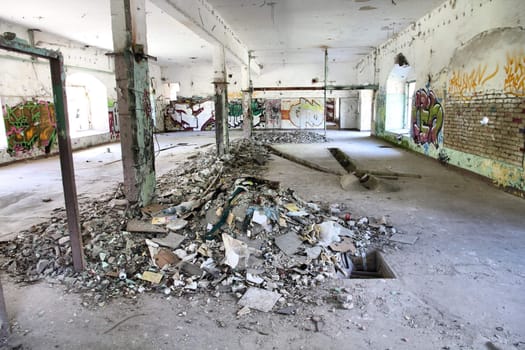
373 265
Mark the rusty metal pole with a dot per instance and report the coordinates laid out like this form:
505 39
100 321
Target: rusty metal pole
66 161
4 320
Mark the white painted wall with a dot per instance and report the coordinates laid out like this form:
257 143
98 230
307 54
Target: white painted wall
430 43
24 79
194 79
365 110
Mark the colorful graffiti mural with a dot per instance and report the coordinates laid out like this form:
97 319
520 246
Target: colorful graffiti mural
466 84
302 113
427 118
258 111
190 114
235 116
30 126
515 74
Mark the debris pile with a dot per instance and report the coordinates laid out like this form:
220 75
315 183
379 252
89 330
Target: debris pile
298 136
216 226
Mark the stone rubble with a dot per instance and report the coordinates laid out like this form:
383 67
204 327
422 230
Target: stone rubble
300 136
229 230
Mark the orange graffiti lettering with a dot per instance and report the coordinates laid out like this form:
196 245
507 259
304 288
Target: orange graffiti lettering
465 84
515 75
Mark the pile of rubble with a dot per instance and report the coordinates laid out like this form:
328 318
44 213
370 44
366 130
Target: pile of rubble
216 226
298 136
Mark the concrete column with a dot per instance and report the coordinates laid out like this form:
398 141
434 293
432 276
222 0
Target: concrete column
128 19
247 116
220 83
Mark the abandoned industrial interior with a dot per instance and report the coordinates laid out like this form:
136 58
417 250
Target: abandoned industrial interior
256 174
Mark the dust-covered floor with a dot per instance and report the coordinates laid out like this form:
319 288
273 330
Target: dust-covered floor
459 286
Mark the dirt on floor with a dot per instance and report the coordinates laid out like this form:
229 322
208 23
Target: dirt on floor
459 286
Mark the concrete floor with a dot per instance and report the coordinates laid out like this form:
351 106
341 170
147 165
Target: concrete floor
459 286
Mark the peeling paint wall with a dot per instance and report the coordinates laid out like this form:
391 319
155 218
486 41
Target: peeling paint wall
25 80
469 64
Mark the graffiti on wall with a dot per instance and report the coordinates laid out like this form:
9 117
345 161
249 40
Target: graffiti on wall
302 113
114 125
198 114
30 126
467 84
258 109
515 74
427 118
235 116
272 113
190 114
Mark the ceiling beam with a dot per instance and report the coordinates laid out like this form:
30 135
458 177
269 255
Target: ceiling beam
200 17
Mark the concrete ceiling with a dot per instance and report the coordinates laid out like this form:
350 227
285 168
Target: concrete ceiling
294 31
278 31
89 22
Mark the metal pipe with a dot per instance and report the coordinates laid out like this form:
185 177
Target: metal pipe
4 320
317 88
324 90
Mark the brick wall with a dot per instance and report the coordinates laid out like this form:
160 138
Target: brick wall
500 139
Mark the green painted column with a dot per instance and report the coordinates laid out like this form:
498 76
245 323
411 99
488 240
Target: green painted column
128 18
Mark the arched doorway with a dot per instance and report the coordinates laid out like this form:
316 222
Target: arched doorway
400 88
87 105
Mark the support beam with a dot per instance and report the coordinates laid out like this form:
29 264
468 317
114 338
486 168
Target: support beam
5 329
317 88
220 83
200 17
247 116
58 79
9 42
128 19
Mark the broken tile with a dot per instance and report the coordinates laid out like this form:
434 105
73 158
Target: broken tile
404 238
345 245
172 240
259 299
152 277
138 226
288 243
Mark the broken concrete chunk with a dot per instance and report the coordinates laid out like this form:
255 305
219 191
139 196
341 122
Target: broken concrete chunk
259 299
172 240
313 252
63 240
348 181
345 245
191 269
138 226
288 243
177 224
165 257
